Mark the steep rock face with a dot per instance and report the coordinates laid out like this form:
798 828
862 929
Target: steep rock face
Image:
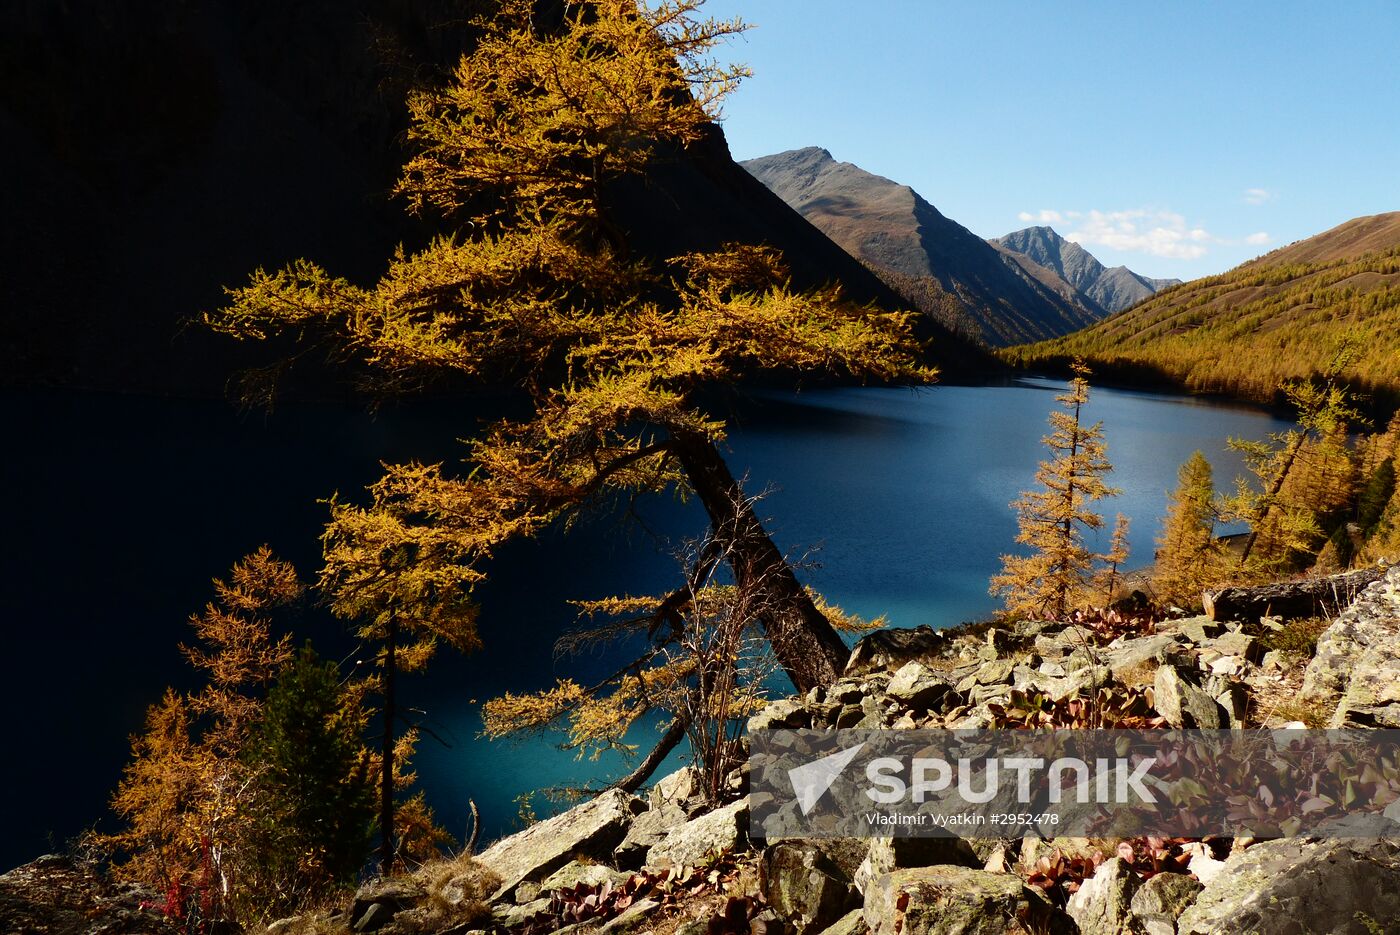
891 227
1111 290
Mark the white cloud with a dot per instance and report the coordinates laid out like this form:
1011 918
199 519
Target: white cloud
1257 239
1258 196
1142 230
1042 216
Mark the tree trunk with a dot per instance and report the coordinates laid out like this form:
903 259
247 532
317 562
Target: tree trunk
386 771
1289 599
804 641
673 736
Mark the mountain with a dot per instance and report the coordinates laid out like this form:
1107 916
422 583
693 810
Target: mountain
1110 289
170 149
953 273
1282 316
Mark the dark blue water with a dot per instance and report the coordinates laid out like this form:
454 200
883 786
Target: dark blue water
119 511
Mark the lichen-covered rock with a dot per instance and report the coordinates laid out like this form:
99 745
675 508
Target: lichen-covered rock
808 883
1161 900
383 898
592 829
1184 704
949 900
646 831
887 854
852 923
718 832
576 871
1364 635
1103 903
1293 887
915 685
783 713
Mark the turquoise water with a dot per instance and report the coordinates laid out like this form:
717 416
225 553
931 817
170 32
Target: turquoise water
121 509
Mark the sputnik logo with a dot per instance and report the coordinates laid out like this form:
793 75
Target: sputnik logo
810 782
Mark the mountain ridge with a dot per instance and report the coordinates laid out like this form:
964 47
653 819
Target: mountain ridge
1111 288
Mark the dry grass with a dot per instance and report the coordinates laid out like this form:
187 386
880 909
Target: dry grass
457 889
1142 675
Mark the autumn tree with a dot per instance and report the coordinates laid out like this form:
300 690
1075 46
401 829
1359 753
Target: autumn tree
537 285
1296 476
1189 557
1053 520
1110 576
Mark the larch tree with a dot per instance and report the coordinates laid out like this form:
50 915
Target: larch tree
1053 520
537 286
1110 577
1189 557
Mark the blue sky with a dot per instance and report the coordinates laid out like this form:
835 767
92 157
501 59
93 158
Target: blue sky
1178 138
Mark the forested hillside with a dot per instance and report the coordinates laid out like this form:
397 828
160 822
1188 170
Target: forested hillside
1285 315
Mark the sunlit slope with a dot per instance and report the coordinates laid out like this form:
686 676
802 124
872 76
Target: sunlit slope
1283 315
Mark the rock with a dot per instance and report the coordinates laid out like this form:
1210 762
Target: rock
526 892
1370 621
576 872
1102 904
947 900
917 686
1233 698
632 918
1294 886
1161 900
806 884
1182 703
646 831
889 649
510 917
885 855
1237 643
391 895
374 918
592 829
674 789
717 832
1198 630
852 923
785 713
59 895
998 670
1128 655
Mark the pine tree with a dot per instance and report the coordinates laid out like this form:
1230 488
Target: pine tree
313 804
537 285
1188 555
1053 520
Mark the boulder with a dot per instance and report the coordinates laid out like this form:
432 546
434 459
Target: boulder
809 883
947 900
889 649
852 923
380 899
1103 903
1292 887
885 855
592 829
1183 703
717 832
646 831
917 686
1161 900
785 713
511 916
57 894
1121 658
576 871
631 919
1372 620
674 789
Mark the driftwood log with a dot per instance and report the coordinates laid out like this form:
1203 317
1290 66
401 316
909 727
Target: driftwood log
1311 597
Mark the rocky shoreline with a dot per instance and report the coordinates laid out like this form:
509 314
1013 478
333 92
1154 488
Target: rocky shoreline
666 862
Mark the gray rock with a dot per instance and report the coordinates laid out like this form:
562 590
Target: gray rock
718 832
1102 904
576 872
592 829
1237 643
998 670
887 650
1131 654
885 855
1182 703
1293 887
674 789
1199 630
1371 620
783 713
646 831
805 883
392 895
508 916
1161 900
852 923
917 686
375 917
632 918
958 901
